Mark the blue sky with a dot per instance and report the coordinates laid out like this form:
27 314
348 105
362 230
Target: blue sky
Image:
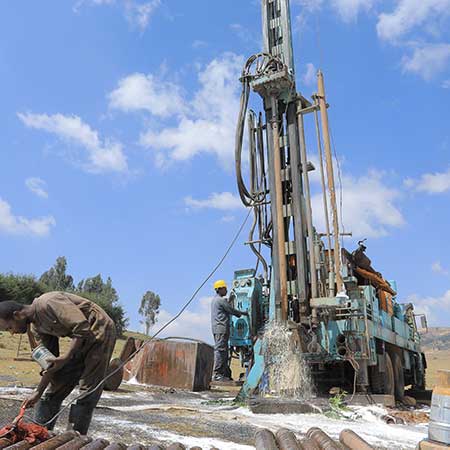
117 139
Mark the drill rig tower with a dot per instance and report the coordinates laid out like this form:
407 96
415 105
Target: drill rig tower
327 296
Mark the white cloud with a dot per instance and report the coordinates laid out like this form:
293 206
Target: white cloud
437 309
437 267
194 323
431 183
139 14
349 10
106 156
409 14
18 225
148 93
427 60
38 186
309 77
224 201
207 123
199 44
369 206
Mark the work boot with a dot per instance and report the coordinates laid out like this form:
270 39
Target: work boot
80 417
46 410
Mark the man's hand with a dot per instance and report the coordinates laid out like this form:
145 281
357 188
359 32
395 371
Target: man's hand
32 400
56 364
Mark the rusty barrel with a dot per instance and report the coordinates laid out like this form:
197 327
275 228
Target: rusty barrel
439 427
352 441
322 439
286 440
115 375
265 440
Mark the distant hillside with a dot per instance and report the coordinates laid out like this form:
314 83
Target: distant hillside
437 338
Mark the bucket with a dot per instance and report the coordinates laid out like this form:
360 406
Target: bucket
41 355
439 427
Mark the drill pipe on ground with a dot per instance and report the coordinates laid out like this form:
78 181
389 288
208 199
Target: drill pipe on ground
98 444
155 447
4 443
352 441
76 443
308 444
137 447
116 446
176 446
265 440
286 440
57 441
322 439
22 445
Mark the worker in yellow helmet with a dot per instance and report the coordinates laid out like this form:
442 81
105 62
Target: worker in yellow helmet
221 310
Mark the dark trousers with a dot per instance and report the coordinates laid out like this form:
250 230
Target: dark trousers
87 370
221 363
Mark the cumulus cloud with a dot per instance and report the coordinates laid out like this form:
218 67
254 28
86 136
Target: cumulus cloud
138 13
224 201
437 309
194 323
431 183
309 77
409 14
349 10
370 207
206 123
427 60
18 225
139 92
99 157
37 186
437 267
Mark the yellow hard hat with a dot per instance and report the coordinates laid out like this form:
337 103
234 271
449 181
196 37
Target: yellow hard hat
220 284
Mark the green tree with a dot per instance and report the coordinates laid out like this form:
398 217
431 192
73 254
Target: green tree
149 309
20 288
105 295
56 278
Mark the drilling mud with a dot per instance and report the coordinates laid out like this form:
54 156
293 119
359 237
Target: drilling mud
287 374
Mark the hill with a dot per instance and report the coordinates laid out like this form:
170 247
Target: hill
437 338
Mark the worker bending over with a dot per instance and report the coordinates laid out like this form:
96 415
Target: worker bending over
93 333
221 310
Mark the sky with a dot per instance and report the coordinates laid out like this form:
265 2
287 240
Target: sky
117 140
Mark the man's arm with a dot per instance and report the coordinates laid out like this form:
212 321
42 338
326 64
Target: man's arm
230 310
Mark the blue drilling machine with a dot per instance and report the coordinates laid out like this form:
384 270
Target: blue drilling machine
343 314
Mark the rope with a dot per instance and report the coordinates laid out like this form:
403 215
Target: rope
180 312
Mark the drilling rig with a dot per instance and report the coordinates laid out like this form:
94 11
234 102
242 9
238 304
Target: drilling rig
344 315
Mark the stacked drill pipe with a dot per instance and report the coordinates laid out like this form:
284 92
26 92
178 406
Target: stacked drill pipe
316 439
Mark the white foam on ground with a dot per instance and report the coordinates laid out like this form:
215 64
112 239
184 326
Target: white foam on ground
165 436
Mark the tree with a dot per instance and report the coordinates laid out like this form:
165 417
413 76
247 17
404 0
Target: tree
149 309
106 297
56 279
20 288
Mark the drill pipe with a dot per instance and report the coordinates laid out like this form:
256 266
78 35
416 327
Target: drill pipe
286 440
22 445
116 446
136 447
196 448
57 441
98 444
155 447
322 439
4 443
265 440
353 442
176 446
308 444
76 443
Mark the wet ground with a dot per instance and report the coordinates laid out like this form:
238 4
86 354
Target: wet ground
151 415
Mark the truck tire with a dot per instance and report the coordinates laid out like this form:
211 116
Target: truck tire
383 382
398 376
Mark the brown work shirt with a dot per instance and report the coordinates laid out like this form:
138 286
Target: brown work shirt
61 314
